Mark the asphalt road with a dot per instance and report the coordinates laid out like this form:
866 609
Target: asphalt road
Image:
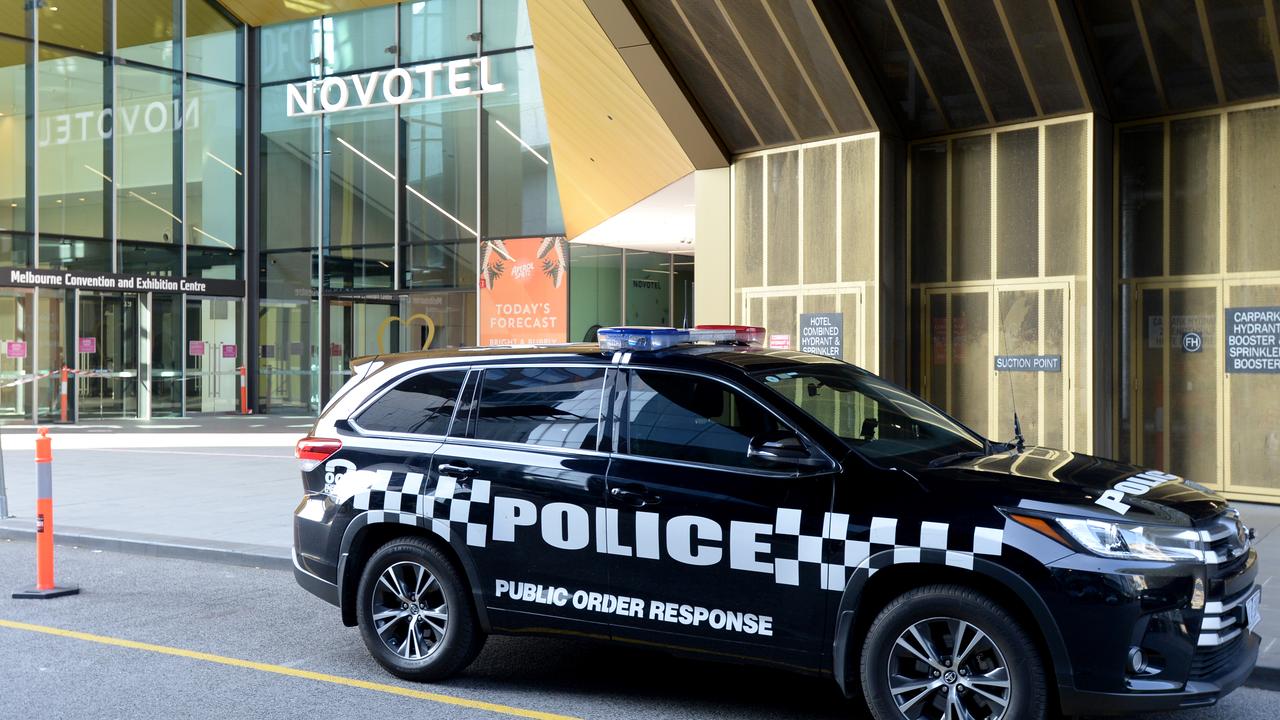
274 651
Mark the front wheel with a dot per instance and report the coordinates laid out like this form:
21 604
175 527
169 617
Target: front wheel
946 652
415 612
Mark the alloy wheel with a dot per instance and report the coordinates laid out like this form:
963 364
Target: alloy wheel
948 669
410 613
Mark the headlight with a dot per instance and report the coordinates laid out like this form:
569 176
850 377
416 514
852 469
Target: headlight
1134 542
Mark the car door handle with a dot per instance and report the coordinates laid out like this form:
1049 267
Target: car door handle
461 471
635 499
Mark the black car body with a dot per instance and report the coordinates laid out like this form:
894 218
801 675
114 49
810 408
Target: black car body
577 490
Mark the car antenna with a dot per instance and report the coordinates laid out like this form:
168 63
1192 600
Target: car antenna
1019 443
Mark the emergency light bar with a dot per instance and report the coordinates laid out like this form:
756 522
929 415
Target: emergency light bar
745 334
660 338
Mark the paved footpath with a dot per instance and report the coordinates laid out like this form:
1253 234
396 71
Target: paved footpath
156 637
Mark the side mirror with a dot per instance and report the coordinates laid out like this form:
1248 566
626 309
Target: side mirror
781 447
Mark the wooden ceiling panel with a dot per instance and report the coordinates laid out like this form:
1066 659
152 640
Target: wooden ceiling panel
610 145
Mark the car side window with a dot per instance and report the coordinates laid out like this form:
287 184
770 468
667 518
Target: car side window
550 406
676 416
421 404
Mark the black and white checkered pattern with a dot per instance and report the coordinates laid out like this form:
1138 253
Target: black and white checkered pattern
888 542
403 498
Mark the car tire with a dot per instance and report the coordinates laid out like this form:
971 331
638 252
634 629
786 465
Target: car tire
925 676
415 613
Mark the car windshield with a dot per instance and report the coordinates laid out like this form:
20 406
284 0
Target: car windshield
881 421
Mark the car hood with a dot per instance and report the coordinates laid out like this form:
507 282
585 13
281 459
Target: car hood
1058 481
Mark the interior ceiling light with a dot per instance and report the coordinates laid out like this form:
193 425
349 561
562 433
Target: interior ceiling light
166 212
224 163
96 172
215 239
522 142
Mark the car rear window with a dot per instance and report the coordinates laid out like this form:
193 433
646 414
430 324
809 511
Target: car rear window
551 406
419 405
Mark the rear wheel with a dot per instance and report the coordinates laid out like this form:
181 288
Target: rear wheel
415 613
945 652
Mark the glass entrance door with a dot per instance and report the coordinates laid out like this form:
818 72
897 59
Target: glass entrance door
106 355
16 348
212 355
353 328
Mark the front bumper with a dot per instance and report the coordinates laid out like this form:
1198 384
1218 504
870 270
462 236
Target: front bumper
1197 654
1196 693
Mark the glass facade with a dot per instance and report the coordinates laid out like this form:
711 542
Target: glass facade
373 207
612 286
121 157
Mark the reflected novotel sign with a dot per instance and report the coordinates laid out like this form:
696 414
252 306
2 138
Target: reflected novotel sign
397 86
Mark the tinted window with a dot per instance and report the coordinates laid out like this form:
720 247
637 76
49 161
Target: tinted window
422 405
880 420
553 406
688 418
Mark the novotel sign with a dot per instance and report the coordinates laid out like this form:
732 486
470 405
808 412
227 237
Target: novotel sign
397 86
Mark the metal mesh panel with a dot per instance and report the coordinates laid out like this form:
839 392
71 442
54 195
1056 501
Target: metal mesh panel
780 318
858 180
748 222
1066 212
971 358
1018 333
1017 204
1253 437
1193 202
783 198
971 208
820 214
1253 177
1193 384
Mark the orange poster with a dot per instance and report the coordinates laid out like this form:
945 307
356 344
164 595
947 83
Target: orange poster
524 284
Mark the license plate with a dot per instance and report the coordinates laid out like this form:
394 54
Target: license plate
1253 609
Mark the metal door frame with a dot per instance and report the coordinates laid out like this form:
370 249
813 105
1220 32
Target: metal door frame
326 309
137 340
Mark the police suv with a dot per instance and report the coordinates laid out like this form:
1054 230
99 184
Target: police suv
691 490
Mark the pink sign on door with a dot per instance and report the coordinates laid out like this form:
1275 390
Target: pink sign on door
780 342
195 347
228 351
87 345
15 349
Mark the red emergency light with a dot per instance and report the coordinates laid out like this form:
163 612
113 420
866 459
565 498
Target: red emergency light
743 334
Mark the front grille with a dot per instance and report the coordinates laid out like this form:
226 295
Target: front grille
1225 548
1209 662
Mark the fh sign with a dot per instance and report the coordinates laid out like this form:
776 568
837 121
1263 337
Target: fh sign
397 86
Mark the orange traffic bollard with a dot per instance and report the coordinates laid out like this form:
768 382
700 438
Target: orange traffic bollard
244 390
45 587
63 395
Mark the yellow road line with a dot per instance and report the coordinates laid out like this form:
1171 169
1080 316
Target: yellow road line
291 672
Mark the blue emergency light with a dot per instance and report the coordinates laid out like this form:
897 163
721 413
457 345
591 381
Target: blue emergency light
659 338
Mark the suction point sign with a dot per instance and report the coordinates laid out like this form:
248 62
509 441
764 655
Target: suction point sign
397 86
